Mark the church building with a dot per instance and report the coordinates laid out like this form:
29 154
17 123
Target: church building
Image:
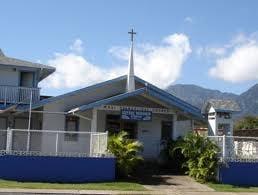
149 114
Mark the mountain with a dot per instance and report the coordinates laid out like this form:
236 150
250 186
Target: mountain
249 101
197 95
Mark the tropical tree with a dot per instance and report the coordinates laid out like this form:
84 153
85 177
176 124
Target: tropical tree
248 122
126 152
201 156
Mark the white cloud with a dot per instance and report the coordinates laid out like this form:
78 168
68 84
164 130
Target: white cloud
188 20
77 46
210 51
240 62
159 64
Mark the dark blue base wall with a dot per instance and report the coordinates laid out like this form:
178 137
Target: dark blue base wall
239 173
56 169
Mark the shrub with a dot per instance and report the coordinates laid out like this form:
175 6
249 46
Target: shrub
126 153
172 157
201 154
248 122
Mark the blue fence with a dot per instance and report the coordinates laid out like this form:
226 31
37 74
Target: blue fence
239 173
56 169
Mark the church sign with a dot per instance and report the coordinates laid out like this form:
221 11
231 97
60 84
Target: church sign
137 115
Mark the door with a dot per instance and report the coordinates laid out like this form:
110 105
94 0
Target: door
130 127
3 126
26 79
166 130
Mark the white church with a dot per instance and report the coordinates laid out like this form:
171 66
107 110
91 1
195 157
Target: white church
78 122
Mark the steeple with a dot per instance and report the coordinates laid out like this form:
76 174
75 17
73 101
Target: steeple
130 74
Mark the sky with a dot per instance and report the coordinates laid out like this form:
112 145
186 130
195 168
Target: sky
213 44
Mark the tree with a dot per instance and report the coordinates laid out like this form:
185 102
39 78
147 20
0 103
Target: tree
248 122
126 152
201 156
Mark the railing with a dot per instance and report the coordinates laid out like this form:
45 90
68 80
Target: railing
237 148
53 143
13 94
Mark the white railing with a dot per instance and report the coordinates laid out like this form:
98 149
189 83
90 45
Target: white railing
237 148
13 94
53 143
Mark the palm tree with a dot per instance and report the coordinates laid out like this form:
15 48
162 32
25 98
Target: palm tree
126 152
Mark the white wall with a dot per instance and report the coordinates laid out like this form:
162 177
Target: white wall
149 133
182 128
57 122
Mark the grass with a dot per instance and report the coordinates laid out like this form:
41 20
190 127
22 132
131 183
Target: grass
118 185
231 188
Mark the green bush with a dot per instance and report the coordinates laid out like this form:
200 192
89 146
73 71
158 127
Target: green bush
248 122
201 156
126 153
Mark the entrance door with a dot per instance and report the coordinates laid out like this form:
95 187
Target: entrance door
166 130
3 126
130 127
3 123
114 124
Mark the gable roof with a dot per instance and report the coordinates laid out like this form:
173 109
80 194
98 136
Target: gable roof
196 113
109 100
143 87
221 106
73 93
43 69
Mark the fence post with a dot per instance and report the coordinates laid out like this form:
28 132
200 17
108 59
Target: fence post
91 144
98 144
5 96
9 140
57 137
106 144
28 141
224 147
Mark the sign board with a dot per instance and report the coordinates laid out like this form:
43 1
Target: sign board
137 115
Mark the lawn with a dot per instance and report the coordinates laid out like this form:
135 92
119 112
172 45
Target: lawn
230 188
118 185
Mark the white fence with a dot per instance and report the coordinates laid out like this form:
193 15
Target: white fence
53 143
237 148
13 94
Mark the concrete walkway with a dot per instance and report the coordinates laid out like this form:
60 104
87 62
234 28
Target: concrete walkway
173 184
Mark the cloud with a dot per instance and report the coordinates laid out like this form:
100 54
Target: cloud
77 46
159 64
239 61
188 20
211 51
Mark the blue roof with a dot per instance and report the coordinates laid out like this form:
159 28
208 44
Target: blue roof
148 88
83 90
145 90
110 100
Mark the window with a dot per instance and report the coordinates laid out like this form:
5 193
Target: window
226 115
114 124
71 124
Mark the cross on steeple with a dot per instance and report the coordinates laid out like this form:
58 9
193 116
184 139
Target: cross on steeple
132 33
